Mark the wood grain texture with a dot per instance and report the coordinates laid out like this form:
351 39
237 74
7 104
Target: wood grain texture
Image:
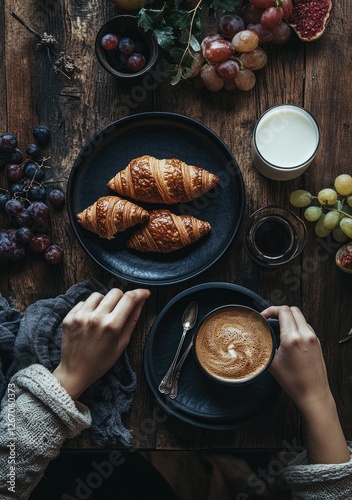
329 100
315 75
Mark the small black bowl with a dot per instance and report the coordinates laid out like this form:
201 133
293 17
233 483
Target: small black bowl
126 26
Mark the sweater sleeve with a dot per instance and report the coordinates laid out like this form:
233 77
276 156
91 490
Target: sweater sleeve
319 481
37 415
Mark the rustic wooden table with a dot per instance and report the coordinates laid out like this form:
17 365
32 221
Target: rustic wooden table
315 75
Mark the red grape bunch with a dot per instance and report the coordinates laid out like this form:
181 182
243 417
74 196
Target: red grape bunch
272 11
23 202
229 59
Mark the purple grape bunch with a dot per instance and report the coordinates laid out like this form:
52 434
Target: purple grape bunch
26 200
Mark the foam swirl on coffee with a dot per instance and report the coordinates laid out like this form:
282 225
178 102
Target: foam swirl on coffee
234 344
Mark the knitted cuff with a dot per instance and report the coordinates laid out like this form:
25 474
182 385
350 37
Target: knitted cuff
46 388
299 470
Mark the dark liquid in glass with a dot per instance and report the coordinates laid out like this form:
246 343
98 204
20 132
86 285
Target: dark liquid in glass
273 238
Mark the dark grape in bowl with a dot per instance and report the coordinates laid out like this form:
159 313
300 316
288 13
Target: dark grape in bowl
124 49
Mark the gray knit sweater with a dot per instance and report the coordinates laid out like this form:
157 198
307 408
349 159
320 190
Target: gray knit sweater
37 415
319 481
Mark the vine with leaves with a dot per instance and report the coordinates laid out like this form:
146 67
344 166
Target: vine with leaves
177 25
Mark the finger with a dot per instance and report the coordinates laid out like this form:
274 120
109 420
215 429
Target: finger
302 324
286 319
134 317
270 312
130 325
75 308
125 307
91 302
283 312
109 302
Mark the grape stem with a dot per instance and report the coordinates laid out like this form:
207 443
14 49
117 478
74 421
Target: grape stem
334 209
43 160
194 12
239 62
339 211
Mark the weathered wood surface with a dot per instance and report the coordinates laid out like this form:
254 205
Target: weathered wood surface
316 76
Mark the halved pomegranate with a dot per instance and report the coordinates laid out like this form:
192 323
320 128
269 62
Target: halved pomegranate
309 18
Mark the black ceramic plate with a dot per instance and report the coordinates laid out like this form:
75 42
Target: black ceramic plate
163 135
201 401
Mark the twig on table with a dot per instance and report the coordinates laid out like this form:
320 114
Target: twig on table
21 21
63 63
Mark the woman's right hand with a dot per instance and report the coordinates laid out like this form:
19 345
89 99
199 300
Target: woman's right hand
299 368
299 365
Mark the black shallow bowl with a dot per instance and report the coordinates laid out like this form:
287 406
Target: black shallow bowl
163 135
127 26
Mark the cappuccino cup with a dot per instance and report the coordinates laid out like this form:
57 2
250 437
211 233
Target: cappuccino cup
234 344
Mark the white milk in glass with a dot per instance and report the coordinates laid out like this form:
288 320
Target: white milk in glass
286 136
285 142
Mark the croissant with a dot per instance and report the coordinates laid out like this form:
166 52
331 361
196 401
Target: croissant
166 232
111 214
162 181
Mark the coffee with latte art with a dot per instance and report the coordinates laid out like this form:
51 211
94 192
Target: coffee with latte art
234 344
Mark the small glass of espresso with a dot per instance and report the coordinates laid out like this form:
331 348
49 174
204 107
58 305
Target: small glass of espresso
274 236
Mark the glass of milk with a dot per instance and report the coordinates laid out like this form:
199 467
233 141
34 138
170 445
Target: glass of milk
284 142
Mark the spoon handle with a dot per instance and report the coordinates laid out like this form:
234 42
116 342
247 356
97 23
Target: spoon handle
174 384
348 338
165 384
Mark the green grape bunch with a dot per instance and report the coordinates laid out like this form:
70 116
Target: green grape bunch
333 215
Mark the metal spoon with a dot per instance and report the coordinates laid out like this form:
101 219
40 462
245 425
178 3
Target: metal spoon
188 321
174 384
348 338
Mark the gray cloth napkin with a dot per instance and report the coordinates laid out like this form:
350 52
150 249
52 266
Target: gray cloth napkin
9 325
36 338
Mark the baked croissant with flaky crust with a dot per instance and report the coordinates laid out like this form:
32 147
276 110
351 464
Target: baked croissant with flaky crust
110 215
162 181
166 232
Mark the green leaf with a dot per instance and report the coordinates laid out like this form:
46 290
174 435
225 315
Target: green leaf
198 23
165 37
144 20
187 60
227 5
172 72
176 76
195 45
186 72
179 19
157 17
150 18
176 53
